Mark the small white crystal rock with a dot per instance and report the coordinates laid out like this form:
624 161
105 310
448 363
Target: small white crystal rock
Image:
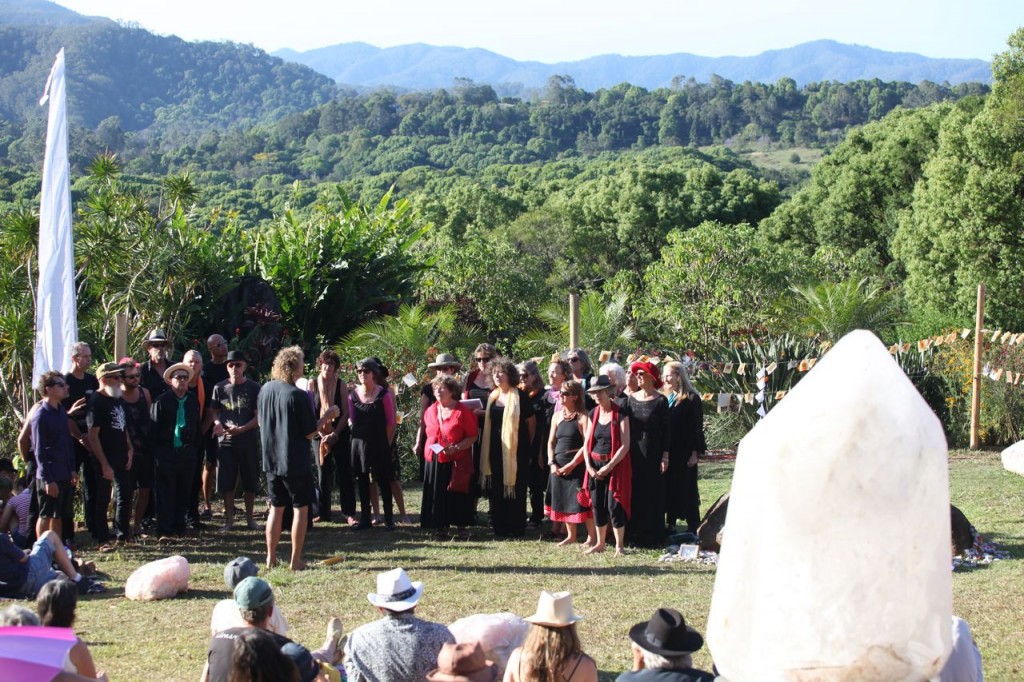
1013 458
836 564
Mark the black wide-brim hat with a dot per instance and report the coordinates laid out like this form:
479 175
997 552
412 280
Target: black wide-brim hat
666 634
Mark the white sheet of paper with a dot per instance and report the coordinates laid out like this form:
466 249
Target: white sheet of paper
409 379
436 449
473 403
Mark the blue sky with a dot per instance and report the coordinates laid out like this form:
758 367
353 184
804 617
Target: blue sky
549 30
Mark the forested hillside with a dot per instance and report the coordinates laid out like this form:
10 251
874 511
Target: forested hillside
139 80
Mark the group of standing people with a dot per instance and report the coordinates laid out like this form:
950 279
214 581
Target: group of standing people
619 449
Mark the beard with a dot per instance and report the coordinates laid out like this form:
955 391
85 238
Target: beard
112 391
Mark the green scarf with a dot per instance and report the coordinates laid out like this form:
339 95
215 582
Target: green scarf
179 424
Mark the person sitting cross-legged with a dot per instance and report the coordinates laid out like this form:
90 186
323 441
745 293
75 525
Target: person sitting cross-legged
399 647
662 649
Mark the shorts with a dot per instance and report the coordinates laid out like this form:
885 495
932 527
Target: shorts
209 450
290 491
59 507
40 568
238 458
144 469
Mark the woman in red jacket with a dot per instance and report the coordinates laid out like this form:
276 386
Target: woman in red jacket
451 430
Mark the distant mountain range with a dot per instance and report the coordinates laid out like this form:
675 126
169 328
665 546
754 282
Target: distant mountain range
422 66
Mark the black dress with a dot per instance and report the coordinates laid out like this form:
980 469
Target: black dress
648 437
508 514
686 425
371 454
481 394
538 473
563 501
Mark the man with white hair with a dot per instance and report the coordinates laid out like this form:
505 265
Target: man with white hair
662 650
111 445
399 647
81 385
199 387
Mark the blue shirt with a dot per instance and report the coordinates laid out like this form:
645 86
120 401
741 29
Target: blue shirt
52 444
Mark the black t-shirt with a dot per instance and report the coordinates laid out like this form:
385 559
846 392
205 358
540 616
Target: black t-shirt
111 417
237 407
153 379
286 418
213 374
222 647
79 388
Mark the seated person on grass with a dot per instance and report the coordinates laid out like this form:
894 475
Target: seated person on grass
15 516
23 573
255 600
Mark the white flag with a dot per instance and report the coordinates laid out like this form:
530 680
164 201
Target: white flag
56 318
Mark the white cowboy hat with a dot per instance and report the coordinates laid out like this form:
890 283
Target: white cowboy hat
395 592
554 610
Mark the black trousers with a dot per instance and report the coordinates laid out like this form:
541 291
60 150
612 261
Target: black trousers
123 491
384 486
335 471
175 468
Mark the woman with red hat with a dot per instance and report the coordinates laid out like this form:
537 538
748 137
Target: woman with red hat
649 452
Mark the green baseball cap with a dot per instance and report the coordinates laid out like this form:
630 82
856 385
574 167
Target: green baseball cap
253 593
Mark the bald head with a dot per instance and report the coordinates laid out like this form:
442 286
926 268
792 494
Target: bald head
218 347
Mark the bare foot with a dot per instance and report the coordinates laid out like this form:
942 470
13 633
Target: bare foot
299 565
620 552
596 549
271 562
567 541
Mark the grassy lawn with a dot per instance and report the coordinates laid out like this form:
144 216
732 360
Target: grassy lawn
167 640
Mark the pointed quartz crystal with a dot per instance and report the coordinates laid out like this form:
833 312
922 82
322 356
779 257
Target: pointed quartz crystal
836 556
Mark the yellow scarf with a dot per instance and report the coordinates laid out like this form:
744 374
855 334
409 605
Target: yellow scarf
509 441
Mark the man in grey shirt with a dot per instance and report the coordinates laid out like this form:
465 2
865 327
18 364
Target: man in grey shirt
399 647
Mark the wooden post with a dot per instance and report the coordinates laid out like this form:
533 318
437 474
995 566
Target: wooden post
120 336
976 382
574 320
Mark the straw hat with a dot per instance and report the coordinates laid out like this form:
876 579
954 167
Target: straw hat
169 372
463 663
554 610
395 592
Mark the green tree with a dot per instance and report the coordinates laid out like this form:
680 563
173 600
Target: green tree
715 282
830 310
965 223
604 325
339 264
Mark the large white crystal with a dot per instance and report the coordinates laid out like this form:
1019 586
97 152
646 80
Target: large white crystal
1013 458
835 565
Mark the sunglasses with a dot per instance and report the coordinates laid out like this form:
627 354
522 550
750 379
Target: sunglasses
564 394
235 364
574 359
179 377
57 383
364 371
484 359
132 376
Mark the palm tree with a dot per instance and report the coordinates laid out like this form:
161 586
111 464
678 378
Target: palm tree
603 325
409 339
829 310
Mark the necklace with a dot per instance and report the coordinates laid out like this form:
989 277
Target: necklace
569 417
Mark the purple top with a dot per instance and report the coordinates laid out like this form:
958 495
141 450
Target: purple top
52 444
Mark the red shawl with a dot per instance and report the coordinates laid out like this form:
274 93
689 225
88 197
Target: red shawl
620 481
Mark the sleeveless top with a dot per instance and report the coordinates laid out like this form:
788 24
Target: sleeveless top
138 423
603 439
568 438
